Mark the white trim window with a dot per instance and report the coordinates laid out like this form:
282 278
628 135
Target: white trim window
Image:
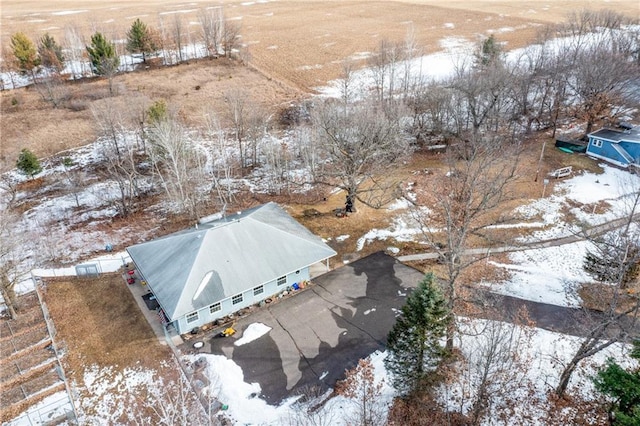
215 308
192 317
237 299
282 280
258 290
596 143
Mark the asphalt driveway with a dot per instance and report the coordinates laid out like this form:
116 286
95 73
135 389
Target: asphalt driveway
321 331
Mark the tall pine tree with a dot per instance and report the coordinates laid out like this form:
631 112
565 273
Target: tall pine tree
140 39
25 52
50 53
103 56
413 344
623 386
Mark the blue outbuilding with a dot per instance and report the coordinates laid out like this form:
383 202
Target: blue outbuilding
617 146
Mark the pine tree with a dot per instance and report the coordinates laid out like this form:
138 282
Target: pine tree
414 342
624 387
158 112
25 52
50 53
140 39
489 52
28 163
103 56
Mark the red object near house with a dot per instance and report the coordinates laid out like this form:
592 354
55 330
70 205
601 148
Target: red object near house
131 280
131 272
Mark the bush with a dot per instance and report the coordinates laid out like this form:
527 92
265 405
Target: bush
28 163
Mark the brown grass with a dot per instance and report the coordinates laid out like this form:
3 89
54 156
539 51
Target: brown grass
599 296
100 323
294 45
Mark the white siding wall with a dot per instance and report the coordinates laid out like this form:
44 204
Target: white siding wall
227 307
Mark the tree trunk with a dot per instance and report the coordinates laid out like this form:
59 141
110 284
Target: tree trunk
565 377
9 300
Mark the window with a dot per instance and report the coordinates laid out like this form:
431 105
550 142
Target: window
214 308
597 143
282 280
236 299
192 317
258 290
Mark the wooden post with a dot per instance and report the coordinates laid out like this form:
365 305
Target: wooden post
540 161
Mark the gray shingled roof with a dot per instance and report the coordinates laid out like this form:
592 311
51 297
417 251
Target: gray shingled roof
241 251
632 135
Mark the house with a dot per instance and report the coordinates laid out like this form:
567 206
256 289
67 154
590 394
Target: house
619 147
219 267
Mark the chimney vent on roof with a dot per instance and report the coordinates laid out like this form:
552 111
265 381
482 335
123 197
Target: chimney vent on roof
213 217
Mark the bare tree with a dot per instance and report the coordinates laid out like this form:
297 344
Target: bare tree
359 146
248 123
211 24
230 37
73 178
220 163
14 254
167 402
118 150
75 52
601 70
465 198
361 387
495 366
379 66
178 36
178 163
482 97
619 318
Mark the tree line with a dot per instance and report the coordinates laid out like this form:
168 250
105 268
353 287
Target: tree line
46 60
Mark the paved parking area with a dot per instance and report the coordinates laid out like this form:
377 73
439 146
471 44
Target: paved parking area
318 333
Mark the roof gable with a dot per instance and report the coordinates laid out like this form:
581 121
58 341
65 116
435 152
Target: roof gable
234 254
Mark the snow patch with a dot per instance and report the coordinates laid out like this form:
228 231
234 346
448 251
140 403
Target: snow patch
254 331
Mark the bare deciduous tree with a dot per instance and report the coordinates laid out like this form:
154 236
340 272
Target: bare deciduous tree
361 387
465 198
178 36
118 150
619 317
496 367
211 25
359 145
220 163
178 163
230 37
14 253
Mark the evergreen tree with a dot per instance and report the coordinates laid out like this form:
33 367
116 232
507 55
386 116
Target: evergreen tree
158 112
414 342
28 163
140 39
50 53
489 52
25 52
624 387
103 56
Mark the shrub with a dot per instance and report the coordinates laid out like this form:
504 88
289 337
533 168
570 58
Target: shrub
28 163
